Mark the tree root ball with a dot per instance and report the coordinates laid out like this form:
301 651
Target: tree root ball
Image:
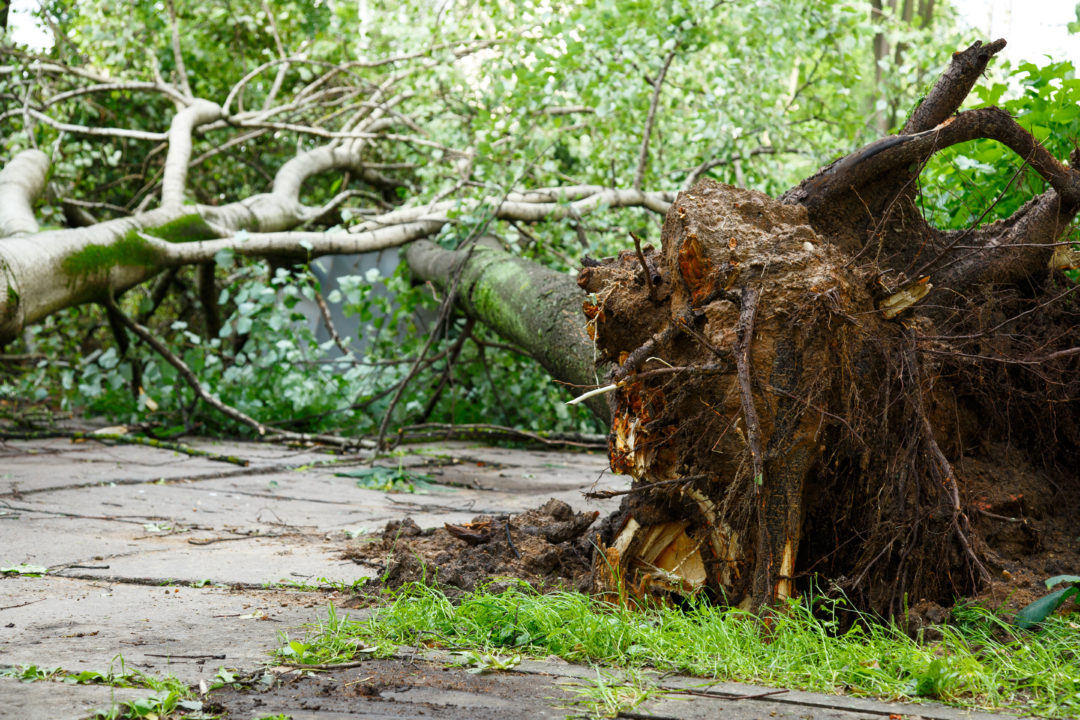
735 367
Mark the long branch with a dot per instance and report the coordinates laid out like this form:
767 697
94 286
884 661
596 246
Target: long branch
182 368
900 151
646 133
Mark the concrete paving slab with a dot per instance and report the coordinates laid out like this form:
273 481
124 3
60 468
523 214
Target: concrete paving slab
283 519
181 631
37 465
48 540
252 561
21 701
181 505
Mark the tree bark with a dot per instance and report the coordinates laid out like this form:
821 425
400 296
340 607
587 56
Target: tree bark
533 307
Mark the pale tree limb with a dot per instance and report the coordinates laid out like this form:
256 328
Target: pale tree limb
97 131
178 56
174 178
21 182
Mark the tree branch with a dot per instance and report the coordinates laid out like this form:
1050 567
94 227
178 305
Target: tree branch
97 131
178 56
952 87
21 182
181 367
900 151
174 177
643 154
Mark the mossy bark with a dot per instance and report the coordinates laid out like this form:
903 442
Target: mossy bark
533 307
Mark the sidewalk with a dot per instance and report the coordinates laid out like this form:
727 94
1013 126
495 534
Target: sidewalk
182 565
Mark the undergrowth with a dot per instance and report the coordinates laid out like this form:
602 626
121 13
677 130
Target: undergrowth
977 661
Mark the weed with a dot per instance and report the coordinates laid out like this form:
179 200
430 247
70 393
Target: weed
30 673
481 662
392 480
333 642
169 693
611 694
1038 611
24 569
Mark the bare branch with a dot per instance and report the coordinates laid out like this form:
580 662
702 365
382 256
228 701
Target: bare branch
898 151
708 165
300 245
178 56
174 178
97 131
21 182
952 87
181 367
643 155
162 88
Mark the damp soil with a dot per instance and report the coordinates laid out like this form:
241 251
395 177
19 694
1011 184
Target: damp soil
1025 519
548 547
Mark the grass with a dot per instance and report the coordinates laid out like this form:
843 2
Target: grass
980 661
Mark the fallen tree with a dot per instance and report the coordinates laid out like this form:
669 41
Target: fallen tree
788 381
794 378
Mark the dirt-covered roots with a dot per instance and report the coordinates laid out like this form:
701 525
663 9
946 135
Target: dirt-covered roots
777 425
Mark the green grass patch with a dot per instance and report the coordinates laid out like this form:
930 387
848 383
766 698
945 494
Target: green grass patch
980 661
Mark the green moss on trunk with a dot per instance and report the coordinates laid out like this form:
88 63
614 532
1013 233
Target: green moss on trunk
188 228
130 250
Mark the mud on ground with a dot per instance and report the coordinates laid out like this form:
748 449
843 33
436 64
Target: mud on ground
397 688
548 547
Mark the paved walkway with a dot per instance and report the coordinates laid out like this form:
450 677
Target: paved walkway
181 565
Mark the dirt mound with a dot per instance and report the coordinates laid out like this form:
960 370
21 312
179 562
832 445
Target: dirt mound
547 547
1027 521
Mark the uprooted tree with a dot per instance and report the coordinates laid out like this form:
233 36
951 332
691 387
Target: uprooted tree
786 380
791 377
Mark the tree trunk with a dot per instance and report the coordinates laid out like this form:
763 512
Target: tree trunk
791 374
537 309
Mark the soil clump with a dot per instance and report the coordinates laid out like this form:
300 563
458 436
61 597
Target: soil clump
547 547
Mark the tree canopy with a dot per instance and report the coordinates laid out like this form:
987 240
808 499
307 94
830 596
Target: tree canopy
377 123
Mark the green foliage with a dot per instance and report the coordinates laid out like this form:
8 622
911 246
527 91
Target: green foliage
169 693
388 479
977 663
24 569
764 93
30 673
983 181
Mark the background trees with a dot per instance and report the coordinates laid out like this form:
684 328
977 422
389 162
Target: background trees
459 105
